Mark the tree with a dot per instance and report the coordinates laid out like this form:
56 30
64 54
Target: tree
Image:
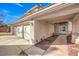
1 21
2 17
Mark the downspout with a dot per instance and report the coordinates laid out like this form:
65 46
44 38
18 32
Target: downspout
23 31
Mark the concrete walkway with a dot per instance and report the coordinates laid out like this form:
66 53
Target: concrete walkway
59 47
61 40
57 50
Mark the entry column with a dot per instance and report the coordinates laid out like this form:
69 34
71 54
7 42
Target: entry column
75 29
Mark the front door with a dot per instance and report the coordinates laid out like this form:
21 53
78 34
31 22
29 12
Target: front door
61 28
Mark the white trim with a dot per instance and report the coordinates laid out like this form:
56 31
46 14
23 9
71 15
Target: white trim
38 12
63 13
44 11
30 9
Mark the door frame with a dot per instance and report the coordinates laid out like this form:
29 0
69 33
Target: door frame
57 28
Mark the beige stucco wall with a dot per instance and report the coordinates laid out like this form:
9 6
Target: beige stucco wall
75 29
42 30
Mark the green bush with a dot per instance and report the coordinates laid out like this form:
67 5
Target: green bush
22 53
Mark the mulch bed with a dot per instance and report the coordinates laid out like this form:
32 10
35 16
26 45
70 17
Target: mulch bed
45 44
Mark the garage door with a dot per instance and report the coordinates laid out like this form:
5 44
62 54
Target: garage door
19 31
15 30
27 32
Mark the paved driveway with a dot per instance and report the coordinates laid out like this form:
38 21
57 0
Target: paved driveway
12 40
12 45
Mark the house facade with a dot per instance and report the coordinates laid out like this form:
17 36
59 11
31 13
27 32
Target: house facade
40 23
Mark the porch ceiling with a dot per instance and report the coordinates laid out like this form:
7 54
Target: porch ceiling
63 18
64 13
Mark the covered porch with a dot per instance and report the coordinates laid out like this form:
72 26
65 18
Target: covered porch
60 22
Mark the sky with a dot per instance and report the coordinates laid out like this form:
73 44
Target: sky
14 11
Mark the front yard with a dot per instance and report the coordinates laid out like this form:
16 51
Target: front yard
12 45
